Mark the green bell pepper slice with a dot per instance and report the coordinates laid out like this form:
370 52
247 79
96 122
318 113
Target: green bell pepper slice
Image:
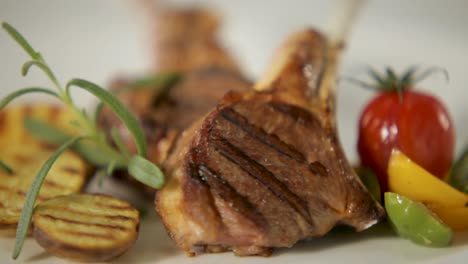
413 220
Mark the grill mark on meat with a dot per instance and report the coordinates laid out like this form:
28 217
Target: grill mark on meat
192 170
298 114
318 168
272 140
230 195
263 175
269 139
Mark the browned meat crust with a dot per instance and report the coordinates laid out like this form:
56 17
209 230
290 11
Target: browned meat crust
265 169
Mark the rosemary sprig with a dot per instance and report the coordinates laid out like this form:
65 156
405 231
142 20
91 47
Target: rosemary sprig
92 144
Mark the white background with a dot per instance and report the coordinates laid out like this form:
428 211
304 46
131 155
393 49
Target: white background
98 40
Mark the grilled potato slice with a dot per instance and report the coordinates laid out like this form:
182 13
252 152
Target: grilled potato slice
25 155
85 227
11 121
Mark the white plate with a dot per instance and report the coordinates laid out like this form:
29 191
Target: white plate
97 40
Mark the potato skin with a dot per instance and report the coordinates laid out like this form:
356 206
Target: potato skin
62 229
80 254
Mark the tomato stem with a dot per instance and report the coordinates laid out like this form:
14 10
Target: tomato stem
391 82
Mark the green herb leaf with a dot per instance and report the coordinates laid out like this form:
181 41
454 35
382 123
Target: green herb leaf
119 142
110 168
459 176
45 132
97 113
369 179
31 196
75 123
37 58
119 109
85 113
18 93
99 155
161 81
152 82
5 167
21 41
143 212
41 65
100 175
146 172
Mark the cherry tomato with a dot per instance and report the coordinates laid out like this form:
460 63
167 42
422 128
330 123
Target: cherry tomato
414 122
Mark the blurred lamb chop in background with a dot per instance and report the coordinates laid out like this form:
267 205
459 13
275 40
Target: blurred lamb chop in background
196 71
187 39
265 169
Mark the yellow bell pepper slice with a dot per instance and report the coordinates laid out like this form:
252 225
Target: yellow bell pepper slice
407 178
455 217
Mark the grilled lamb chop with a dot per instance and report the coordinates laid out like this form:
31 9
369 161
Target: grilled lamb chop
265 169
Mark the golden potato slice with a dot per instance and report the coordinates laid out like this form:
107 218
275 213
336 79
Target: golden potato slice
11 121
85 227
26 155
